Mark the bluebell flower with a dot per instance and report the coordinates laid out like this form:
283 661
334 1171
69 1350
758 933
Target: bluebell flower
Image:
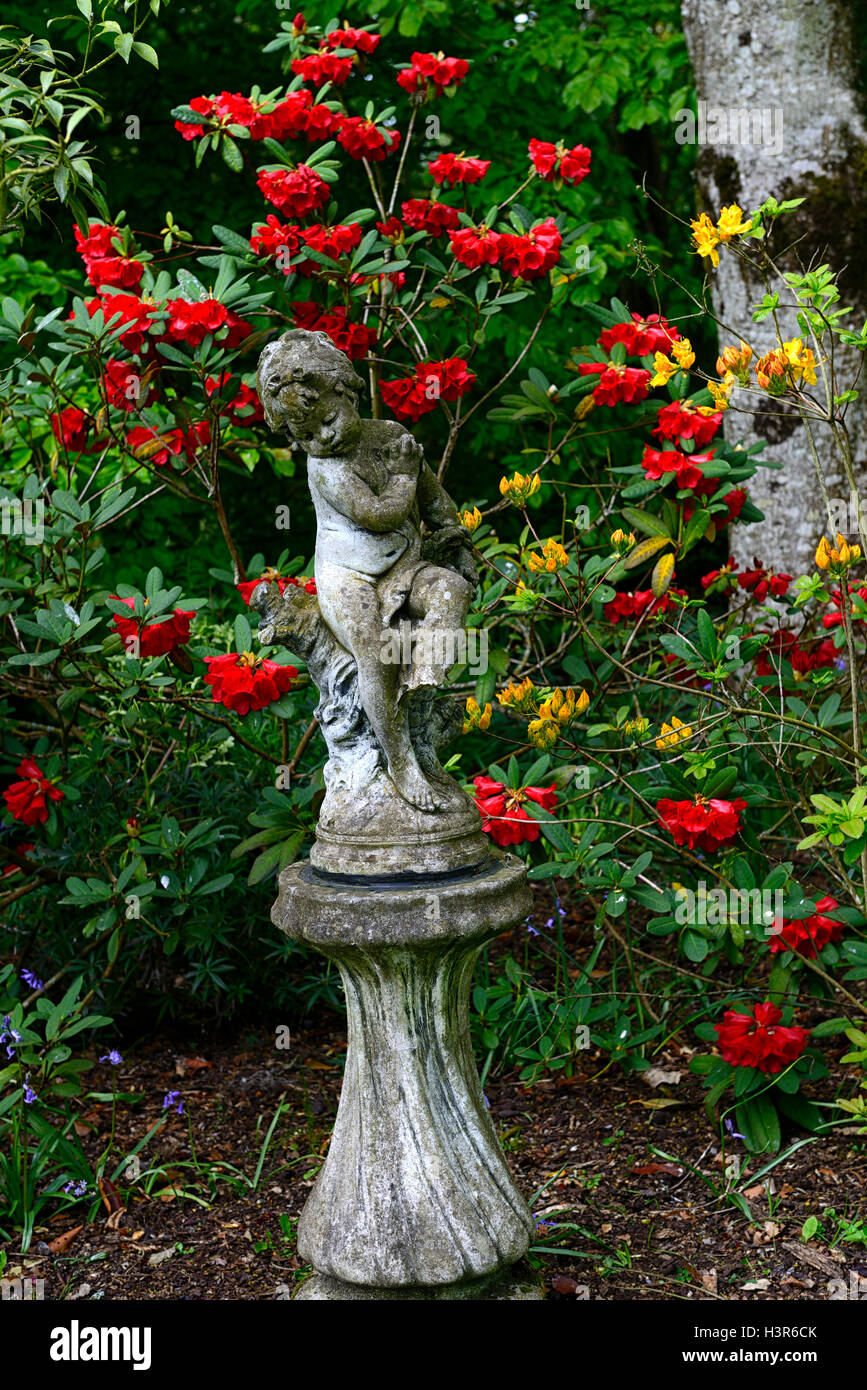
32 980
732 1131
29 1094
114 1057
173 1101
76 1188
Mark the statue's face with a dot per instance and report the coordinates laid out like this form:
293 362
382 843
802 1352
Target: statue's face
321 414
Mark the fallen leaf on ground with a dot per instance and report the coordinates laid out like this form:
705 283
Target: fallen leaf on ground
110 1195
646 1168
658 1076
161 1256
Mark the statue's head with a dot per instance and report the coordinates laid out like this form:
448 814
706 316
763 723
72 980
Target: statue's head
309 387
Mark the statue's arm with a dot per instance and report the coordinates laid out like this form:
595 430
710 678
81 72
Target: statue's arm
435 506
353 498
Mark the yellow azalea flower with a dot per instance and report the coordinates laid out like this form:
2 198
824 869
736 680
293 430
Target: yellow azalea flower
471 519
673 733
476 717
839 557
801 361
737 360
519 488
771 372
622 541
636 728
705 238
682 353
721 391
730 223
564 705
663 369
552 558
521 697
543 733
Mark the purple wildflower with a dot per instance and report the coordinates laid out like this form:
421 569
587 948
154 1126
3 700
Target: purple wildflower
173 1101
113 1057
29 1094
32 980
76 1188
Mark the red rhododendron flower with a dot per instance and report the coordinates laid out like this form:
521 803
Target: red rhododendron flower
760 581
143 639
191 321
159 446
432 72
406 398
784 645
475 246
355 339
451 378
124 386
294 191
26 799
734 500
533 254
353 38
391 229
836 619
722 578
245 408
502 810
757 1040
423 215
71 428
363 139
128 309
661 463
634 605
283 582
244 682
322 67
458 168
703 823
616 382
273 238
205 107
290 116
104 264
333 242
683 420
556 162
641 336
808 935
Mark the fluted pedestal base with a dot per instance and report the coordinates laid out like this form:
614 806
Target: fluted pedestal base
415 1193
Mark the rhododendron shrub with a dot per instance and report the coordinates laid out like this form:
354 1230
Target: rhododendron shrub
653 721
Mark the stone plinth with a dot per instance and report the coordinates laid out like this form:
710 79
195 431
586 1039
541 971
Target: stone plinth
415 1193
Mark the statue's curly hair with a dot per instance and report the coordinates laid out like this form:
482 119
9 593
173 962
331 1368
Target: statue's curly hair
298 354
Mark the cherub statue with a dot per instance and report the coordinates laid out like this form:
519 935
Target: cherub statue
376 573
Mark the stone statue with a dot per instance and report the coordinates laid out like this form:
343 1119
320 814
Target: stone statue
394 577
402 889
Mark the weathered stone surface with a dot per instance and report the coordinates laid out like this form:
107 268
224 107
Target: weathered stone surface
415 1189
511 1287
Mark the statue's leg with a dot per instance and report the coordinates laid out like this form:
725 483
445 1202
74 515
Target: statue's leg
438 602
356 622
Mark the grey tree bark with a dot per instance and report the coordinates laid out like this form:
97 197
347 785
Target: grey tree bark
795 61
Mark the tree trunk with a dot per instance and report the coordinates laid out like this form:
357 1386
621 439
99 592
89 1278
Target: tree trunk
794 61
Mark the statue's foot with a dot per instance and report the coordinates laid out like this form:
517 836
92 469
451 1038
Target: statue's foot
415 788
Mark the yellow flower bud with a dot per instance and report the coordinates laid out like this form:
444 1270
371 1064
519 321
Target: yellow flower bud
471 519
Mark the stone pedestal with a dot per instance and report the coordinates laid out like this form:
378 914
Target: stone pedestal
415 1194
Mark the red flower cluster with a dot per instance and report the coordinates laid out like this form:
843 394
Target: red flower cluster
103 262
273 237
432 73
413 396
355 339
458 168
71 428
836 619
756 1040
283 582
784 645
363 139
556 162
143 639
26 800
126 308
808 935
123 385
761 581
475 246
502 810
159 446
244 682
422 215
359 39
244 408
322 67
296 192
724 577
703 823
686 468
616 382
683 420
333 242
531 254
641 337
191 321
633 605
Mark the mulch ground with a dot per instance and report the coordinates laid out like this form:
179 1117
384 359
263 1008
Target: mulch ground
624 1177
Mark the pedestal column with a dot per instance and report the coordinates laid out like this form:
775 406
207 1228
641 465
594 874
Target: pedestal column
415 1193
